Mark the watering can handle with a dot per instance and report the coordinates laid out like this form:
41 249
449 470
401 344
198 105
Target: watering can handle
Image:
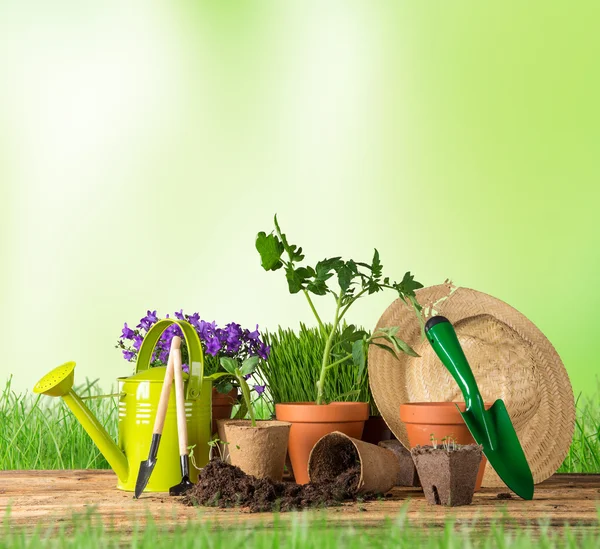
196 356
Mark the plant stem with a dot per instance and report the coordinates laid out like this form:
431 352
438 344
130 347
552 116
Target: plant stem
340 361
312 306
345 309
325 363
247 398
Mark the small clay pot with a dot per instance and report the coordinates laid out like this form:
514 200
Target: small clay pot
310 422
442 419
407 475
258 451
222 405
376 430
448 477
337 453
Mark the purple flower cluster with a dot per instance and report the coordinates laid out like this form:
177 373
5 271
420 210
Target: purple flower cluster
232 340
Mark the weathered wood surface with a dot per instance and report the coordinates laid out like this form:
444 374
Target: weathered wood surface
47 497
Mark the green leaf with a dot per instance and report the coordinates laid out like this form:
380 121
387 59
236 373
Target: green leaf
318 287
408 285
402 346
229 364
326 265
358 354
224 388
385 348
348 331
249 365
346 274
270 249
297 278
376 266
292 250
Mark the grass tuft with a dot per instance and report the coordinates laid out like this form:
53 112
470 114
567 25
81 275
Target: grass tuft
305 531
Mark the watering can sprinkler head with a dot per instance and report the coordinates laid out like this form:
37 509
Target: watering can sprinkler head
58 382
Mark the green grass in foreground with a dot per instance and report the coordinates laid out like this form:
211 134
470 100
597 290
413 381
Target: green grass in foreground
39 432
304 532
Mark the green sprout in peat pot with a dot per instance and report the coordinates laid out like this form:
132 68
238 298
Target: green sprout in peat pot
355 280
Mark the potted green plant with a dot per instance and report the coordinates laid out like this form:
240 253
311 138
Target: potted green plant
232 341
312 420
295 360
257 447
447 471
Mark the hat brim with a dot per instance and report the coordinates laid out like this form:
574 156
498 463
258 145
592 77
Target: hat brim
545 429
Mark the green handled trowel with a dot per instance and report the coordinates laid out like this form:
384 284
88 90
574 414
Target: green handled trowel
491 428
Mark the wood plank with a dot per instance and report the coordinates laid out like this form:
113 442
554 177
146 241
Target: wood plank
45 497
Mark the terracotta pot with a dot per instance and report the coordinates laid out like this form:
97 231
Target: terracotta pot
258 451
310 422
336 453
222 404
448 478
442 419
376 430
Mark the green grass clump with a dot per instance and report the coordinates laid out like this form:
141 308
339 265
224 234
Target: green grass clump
584 453
40 432
294 366
305 531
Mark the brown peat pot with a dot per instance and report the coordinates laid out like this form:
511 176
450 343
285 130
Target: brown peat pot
440 419
222 405
336 454
310 422
448 477
258 451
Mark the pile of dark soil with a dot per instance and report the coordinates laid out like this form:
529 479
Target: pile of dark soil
223 485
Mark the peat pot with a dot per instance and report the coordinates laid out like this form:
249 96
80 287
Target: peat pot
440 419
258 451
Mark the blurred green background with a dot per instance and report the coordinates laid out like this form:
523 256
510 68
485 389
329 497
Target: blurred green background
143 145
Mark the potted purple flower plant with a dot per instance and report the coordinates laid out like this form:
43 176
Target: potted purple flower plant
232 341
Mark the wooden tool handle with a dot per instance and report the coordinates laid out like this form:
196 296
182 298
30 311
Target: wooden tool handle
180 402
163 403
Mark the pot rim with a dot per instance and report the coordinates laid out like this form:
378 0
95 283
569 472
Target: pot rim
431 413
334 412
247 424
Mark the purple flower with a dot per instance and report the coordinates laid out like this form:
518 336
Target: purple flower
247 376
185 368
128 355
147 322
212 346
137 342
263 351
163 356
179 315
260 389
127 332
253 336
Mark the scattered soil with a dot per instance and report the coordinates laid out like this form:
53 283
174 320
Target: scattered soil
223 485
504 495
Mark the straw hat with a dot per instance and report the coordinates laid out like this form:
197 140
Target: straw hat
510 358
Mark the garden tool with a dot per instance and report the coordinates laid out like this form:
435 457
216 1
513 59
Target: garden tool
491 428
184 458
146 467
138 397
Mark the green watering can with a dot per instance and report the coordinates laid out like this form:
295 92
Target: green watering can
138 400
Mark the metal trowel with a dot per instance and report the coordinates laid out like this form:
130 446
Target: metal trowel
491 428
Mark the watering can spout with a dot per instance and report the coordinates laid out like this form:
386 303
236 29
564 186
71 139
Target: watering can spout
59 383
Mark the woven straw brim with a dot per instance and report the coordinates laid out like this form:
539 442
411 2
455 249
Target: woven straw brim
510 358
